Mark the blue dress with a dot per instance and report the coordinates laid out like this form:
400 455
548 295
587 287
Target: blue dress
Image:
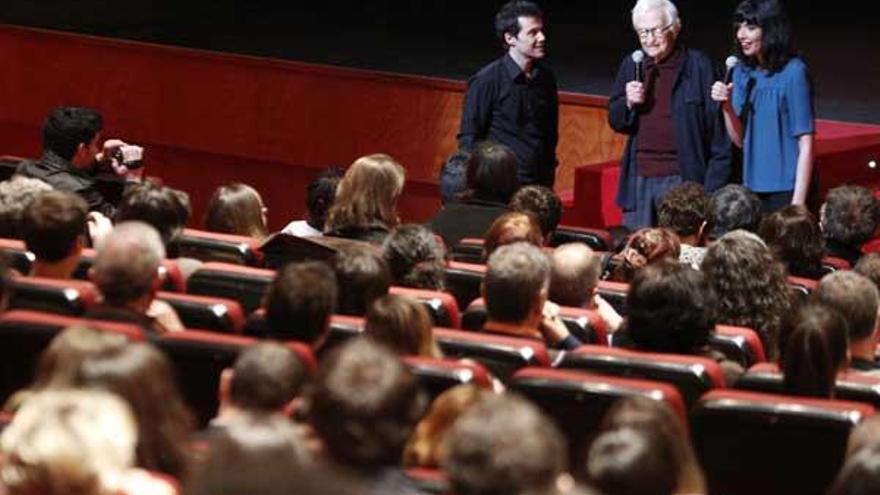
782 111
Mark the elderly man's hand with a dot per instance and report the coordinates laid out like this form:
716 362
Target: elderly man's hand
635 94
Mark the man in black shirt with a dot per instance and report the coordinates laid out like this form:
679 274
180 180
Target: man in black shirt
513 100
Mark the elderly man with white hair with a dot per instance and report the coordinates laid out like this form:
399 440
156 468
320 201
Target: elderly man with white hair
661 99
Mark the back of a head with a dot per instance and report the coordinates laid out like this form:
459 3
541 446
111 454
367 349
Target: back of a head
60 362
362 276
512 227
402 324
65 128
671 308
52 224
542 203
492 172
684 209
300 301
515 276
855 297
503 445
632 462
869 266
453 176
364 404
16 195
367 194
167 210
813 348
644 247
126 266
850 215
415 257
731 208
860 475
266 377
236 209
574 273
794 236
320 193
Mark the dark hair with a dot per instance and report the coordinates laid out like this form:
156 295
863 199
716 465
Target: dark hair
542 202
300 300
860 475
733 207
166 209
415 257
402 324
507 18
631 461
319 195
236 209
683 209
143 376
364 404
362 276
515 276
66 128
795 238
671 308
492 173
509 228
453 176
776 44
52 224
851 214
856 299
813 347
266 376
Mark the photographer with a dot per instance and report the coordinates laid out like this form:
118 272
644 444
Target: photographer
73 153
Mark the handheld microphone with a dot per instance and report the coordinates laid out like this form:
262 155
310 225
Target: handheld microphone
730 63
637 57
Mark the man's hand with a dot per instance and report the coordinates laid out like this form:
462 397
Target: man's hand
99 226
108 155
551 327
635 94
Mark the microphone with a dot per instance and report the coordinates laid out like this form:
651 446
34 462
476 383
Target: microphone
637 57
731 62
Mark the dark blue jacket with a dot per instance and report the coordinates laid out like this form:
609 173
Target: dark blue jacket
704 152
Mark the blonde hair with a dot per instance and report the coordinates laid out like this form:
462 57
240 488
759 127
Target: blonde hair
425 446
367 194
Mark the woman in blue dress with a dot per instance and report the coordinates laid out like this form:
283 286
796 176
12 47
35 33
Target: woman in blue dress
768 106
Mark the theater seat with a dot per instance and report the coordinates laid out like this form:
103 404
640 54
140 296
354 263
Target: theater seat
802 287
215 314
852 385
501 355
438 375
463 280
441 306
597 239
468 250
432 481
19 258
200 357
763 444
341 328
64 297
169 270
615 294
578 401
213 246
692 375
585 324
243 284
739 344
833 264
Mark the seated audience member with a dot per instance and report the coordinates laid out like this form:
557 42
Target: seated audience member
812 350
16 195
299 303
750 284
453 176
849 218
362 277
144 378
415 257
733 207
515 291
863 435
631 461
860 475
510 228
265 379
365 206
126 272
642 413
54 228
869 266
403 325
684 211
73 150
542 203
672 308
491 182
574 276
319 196
426 447
644 247
363 406
237 209
794 236
857 300
74 442
504 445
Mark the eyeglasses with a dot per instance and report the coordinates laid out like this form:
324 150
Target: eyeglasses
654 32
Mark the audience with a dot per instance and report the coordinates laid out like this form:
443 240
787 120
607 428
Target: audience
319 196
733 207
812 350
794 236
574 277
403 325
510 228
857 300
16 195
299 303
869 266
453 176
849 218
542 203
644 247
237 209
365 207
362 277
631 461
415 257
54 228
684 211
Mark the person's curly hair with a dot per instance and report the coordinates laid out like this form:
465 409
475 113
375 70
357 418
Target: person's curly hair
794 236
644 247
415 258
850 215
684 209
751 286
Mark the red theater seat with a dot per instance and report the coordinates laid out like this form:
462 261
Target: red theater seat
213 246
169 270
438 375
463 280
216 314
441 306
468 250
597 239
801 286
65 297
244 284
501 355
852 385
433 481
833 264
19 258
615 294
739 344
341 328
585 324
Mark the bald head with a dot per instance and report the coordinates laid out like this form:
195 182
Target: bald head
574 273
127 263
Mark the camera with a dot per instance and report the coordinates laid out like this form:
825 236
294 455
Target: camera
129 155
